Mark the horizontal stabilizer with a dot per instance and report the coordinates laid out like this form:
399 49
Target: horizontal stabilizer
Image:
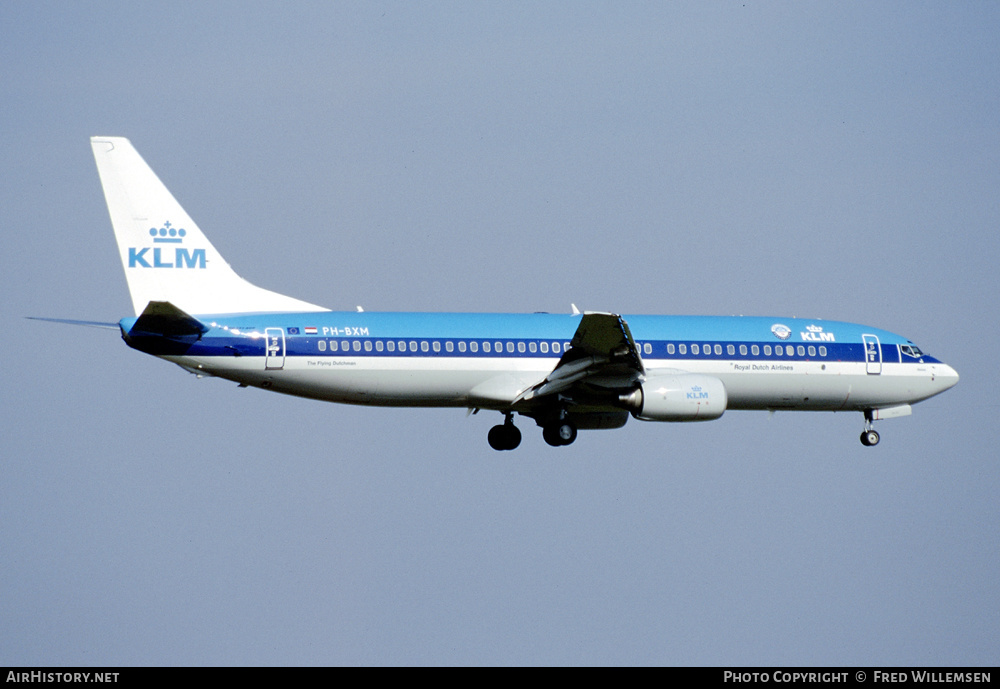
162 328
166 320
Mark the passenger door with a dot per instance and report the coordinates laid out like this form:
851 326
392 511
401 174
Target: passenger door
274 358
873 354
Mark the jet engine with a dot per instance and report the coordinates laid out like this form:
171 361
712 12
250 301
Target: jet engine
678 397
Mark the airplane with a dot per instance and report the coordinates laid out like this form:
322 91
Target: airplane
566 372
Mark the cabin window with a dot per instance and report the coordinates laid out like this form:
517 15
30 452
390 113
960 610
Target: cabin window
510 347
647 348
801 350
812 351
487 347
402 346
424 346
822 350
449 346
779 350
670 348
718 350
391 346
755 350
322 345
413 345
790 350
368 345
555 347
544 347
461 346
682 348
532 347
474 347
437 346
520 347
695 349
743 350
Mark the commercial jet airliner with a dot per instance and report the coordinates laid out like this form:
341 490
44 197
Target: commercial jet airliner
566 372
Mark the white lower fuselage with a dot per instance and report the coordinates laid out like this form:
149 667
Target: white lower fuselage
469 382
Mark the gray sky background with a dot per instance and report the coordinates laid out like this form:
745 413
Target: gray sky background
836 160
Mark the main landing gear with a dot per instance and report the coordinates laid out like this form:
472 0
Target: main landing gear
505 436
556 433
869 437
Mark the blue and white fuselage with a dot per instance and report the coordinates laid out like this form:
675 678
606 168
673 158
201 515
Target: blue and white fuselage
567 372
486 360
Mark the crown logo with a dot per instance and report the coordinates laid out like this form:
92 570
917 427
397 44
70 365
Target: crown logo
814 328
696 388
168 234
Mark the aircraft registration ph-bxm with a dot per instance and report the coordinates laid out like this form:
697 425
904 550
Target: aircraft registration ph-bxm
566 372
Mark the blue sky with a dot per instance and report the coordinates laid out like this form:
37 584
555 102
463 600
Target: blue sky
830 160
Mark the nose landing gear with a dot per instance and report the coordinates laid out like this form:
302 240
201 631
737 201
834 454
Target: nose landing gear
869 437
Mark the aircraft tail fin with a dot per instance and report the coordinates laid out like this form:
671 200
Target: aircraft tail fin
165 255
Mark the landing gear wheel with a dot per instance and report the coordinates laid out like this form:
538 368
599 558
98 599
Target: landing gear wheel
559 433
549 436
869 438
497 438
504 437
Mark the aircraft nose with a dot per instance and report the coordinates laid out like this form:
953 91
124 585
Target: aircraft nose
945 376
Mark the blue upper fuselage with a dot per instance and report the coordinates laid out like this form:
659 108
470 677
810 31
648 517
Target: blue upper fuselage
366 333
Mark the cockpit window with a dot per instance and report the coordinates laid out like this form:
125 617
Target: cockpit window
911 350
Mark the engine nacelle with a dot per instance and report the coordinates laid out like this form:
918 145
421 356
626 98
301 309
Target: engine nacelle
678 397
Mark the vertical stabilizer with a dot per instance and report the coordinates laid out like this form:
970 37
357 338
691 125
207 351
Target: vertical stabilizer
165 256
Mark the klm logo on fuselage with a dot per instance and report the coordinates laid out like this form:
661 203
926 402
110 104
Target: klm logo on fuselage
814 333
163 257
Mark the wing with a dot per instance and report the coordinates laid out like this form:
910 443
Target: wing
601 363
66 321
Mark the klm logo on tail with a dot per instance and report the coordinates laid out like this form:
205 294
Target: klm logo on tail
161 256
